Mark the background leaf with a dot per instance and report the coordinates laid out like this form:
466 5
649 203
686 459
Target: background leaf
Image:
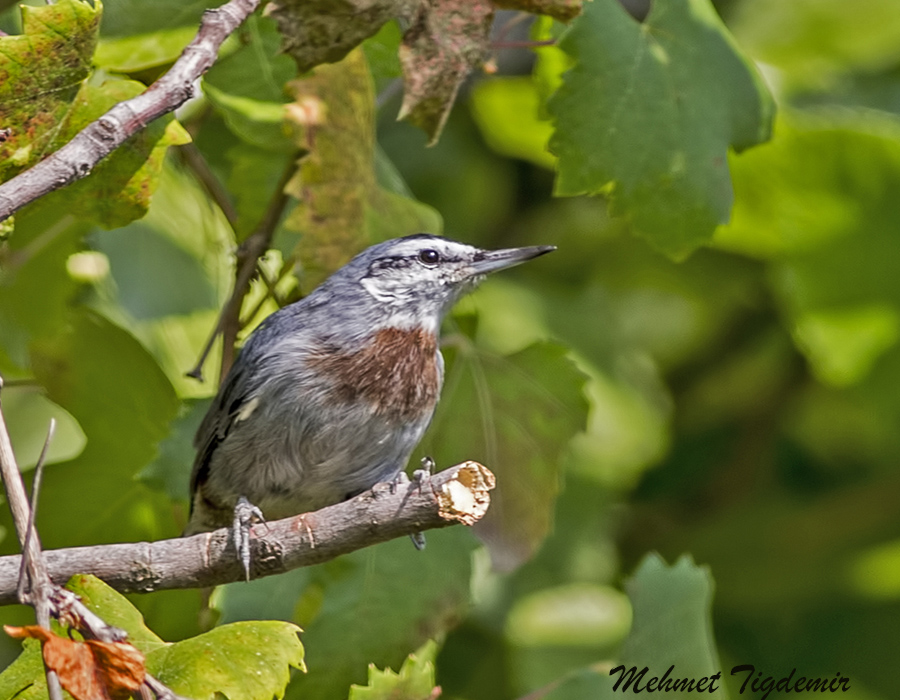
648 118
501 411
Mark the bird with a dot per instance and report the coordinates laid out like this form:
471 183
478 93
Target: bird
330 395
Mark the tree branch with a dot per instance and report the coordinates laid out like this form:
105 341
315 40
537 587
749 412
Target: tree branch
98 139
456 495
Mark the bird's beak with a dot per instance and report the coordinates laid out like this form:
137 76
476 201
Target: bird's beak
493 260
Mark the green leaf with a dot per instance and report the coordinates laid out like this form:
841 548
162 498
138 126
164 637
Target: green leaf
153 275
115 609
119 188
248 87
41 71
415 681
137 17
376 606
35 287
24 678
648 113
576 614
336 175
326 32
28 413
50 103
91 369
807 202
243 661
253 179
507 112
814 40
349 194
514 414
672 627
171 470
129 54
842 345
672 620
381 54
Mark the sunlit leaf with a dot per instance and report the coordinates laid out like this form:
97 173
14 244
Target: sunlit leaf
414 681
119 188
242 661
507 111
42 71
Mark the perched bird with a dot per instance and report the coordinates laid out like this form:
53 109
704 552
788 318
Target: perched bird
330 395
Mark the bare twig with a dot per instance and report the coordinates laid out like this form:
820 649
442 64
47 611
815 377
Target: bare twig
248 255
98 139
35 494
456 495
523 44
194 160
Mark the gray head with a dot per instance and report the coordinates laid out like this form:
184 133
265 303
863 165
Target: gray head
415 280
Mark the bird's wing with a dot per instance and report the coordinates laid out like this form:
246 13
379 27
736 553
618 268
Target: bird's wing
221 417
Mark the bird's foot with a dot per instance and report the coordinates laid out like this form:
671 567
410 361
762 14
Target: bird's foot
398 479
419 477
245 515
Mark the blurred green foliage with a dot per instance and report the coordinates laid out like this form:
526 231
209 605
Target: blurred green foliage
741 405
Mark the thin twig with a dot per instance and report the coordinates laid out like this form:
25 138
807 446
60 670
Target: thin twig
35 494
194 160
525 44
101 137
272 293
513 21
248 255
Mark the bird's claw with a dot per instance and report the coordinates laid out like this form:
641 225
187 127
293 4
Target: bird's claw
419 477
245 515
398 479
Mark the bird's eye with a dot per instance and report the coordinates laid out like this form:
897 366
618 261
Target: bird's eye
429 256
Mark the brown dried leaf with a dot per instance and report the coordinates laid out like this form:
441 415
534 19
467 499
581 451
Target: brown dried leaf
324 31
89 670
447 39
563 10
